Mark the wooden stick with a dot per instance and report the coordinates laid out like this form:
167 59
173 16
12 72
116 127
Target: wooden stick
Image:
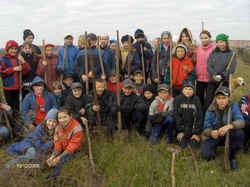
86 62
196 167
202 26
100 59
142 62
228 66
129 56
118 81
172 170
170 60
157 61
20 88
64 60
44 58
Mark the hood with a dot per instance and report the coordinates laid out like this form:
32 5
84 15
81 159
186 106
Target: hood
36 80
213 107
190 36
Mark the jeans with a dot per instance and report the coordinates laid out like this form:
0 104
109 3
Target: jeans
4 132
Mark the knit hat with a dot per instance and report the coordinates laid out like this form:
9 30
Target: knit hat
139 33
127 83
52 114
150 88
222 89
76 85
92 36
27 33
68 35
181 46
126 37
9 44
222 37
49 45
164 87
138 71
112 41
165 32
188 84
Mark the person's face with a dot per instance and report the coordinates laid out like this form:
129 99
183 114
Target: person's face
180 52
27 49
80 43
163 94
13 51
112 78
68 40
222 101
68 81
139 39
93 42
148 94
138 78
38 88
205 40
185 38
125 45
166 39
51 124
221 45
57 91
127 90
49 51
100 87
29 39
113 46
77 92
64 118
188 91
104 41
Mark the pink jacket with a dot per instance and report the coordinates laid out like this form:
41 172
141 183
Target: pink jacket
203 53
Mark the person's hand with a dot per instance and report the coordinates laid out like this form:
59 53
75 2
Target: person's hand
84 78
144 48
214 134
180 136
217 78
82 111
17 68
84 120
4 106
196 137
55 161
45 63
138 93
49 161
223 130
90 74
156 80
31 127
96 108
21 59
103 77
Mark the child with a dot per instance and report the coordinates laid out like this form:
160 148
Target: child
68 141
244 105
30 56
39 143
138 82
182 69
164 56
187 39
10 66
57 92
108 52
28 36
81 44
188 117
37 103
5 128
147 50
203 52
49 65
70 56
68 79
135 59
111 84
161 115
216 126
112 45
217 64
78 102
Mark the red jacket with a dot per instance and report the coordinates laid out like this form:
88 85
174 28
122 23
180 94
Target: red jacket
112 87
51 70
70 138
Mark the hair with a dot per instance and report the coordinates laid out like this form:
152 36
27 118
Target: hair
100 81
105 35
45 128
206 32
32 47
82 38
185 31
65 110
57 85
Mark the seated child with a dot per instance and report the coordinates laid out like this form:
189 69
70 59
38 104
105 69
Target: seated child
216 126
5 128
57 92
188 116
68 79
111 84
161 115
138 82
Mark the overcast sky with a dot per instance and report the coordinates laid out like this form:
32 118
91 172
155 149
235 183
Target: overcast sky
51 19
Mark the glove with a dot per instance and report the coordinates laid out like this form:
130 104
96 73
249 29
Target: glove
159 120
217 78
127 108
116 108
153 118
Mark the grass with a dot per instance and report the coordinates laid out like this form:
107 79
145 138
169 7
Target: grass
137 163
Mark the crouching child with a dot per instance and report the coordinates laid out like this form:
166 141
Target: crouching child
216 126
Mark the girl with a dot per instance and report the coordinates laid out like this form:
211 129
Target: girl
201 65
39 143
10 66
187 39
57 92
30 56
48 65
81 43
164 55
68 141
216 65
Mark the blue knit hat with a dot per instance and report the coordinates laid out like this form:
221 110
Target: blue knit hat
52 114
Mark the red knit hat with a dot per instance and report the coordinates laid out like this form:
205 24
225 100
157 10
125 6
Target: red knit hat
9 44
49 45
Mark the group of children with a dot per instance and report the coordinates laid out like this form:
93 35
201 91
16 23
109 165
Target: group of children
154 109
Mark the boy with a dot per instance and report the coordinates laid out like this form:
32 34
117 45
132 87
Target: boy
147 49
111 84
37 103
216 126
68 79
70 56
28 36
138 82
188 116
78 102
161 115
57 92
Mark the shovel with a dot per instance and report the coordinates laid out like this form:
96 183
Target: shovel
94 180
174 149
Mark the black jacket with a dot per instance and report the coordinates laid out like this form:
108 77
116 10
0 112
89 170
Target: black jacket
33 62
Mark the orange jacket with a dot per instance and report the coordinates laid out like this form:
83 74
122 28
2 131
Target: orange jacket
70 138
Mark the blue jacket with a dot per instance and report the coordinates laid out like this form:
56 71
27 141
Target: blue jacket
38 138
109 62
70 59
29 103
135 63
